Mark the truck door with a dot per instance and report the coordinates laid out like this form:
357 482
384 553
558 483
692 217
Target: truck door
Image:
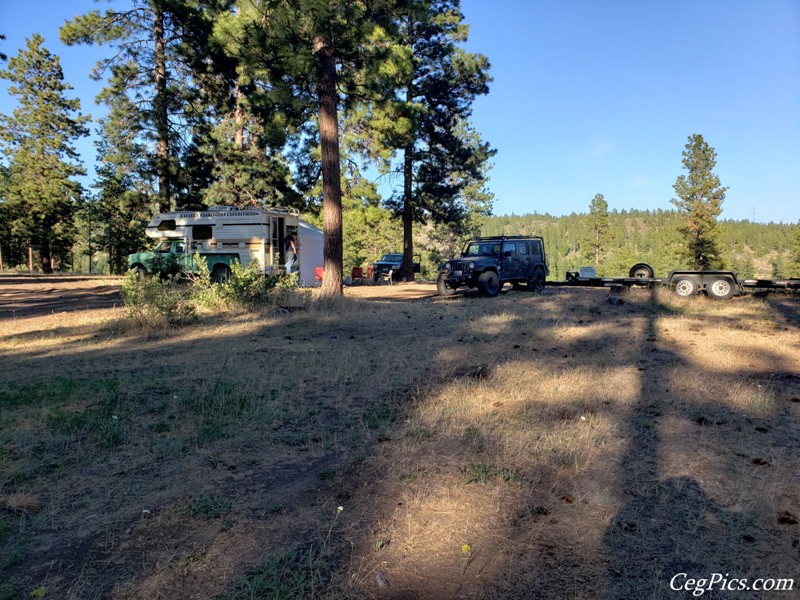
181 251
510 261
278 233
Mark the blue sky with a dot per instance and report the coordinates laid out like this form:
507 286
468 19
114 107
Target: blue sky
594 96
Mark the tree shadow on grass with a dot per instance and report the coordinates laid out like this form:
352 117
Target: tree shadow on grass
669 530
691 488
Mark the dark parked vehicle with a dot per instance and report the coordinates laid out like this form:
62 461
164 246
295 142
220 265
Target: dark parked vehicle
488 263
390 264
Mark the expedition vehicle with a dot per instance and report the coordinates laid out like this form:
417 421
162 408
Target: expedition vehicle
226 234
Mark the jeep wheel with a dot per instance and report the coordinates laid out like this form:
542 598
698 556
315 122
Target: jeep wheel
441 285
489 284
536 281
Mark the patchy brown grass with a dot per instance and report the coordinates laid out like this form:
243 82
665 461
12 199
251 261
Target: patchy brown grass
527 446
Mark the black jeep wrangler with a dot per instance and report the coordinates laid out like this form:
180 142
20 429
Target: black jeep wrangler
488 263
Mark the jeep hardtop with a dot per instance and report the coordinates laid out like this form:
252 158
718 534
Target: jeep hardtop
487 263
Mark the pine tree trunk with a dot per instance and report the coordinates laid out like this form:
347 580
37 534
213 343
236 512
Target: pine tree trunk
407 272
161 113
331 170
238 116
597 250
45 260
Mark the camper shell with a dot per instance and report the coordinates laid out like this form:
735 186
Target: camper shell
224 234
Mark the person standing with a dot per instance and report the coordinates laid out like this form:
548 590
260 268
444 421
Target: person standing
290 249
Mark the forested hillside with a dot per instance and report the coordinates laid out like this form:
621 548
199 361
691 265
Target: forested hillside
749 249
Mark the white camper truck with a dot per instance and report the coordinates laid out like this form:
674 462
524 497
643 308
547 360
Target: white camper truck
224 234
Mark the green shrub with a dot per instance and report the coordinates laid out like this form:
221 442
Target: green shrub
154 302
203 292
247 288
165 265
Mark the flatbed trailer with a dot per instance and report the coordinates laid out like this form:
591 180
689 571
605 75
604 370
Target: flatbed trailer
719 285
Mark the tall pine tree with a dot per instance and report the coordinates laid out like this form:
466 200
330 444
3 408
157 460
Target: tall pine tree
795 263
38 140
315 57
598 228
125 198
149 44
699 202
426 122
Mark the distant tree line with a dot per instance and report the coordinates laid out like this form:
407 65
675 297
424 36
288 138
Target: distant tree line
689 237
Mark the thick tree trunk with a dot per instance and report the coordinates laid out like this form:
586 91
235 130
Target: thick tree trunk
45 260
161 114
407 272
331 170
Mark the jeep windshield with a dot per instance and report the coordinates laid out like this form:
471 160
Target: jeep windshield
482 249
391 258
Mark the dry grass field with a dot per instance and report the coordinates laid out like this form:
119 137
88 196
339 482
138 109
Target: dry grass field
406 446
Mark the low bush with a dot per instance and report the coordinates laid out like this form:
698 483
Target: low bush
154 302
170 300
247 288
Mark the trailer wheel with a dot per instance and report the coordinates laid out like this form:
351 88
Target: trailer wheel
442 287
221 275
489 284
641 271
536 281
685 287
720 289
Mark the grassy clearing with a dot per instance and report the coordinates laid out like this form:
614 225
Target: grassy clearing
552 446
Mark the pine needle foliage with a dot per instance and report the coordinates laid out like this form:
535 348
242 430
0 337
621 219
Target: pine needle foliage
40 193
699 200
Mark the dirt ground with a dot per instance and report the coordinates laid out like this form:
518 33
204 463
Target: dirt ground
33 296
37 296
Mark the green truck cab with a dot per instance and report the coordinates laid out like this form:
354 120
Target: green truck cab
182 255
